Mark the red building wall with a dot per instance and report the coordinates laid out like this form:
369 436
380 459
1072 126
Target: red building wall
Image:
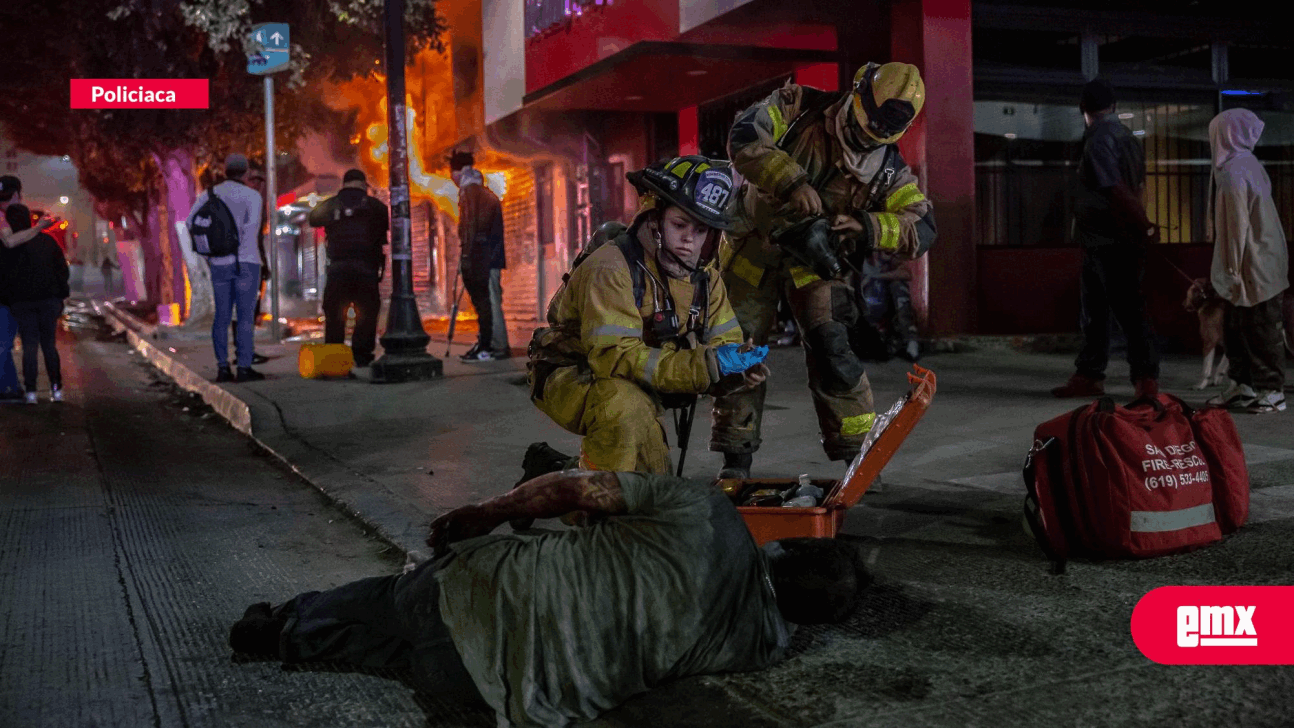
601 31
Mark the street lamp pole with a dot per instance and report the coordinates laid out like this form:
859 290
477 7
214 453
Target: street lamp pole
405 356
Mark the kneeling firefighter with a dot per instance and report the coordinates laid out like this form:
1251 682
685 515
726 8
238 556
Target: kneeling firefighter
825 185
642 323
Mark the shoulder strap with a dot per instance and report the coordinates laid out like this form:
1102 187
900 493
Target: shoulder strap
633 253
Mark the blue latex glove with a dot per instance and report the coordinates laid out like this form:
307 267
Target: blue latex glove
732 361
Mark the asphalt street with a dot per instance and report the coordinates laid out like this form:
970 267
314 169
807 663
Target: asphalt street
135 527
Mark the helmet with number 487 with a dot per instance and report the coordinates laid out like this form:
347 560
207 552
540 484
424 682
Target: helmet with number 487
698 185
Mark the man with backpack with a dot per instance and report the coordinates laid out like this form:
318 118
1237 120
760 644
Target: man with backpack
223 224
356 224
825 185
642 323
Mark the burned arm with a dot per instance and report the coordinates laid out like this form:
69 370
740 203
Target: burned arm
547 496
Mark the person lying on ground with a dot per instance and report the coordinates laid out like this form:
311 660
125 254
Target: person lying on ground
551 627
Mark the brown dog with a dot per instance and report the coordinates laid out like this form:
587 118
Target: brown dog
1204 302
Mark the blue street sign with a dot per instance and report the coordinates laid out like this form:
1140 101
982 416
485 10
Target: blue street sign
271 42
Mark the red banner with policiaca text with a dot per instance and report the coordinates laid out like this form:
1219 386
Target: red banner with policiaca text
1216 625
139 93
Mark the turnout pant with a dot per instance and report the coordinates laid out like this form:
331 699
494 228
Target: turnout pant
1111 284
38 324
352 285
379 622
842 395
1256 345
619 420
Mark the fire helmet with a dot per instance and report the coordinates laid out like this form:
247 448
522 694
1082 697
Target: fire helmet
886 98
700 186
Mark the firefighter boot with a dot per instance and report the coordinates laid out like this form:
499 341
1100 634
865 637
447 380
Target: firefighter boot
540 460
1080 385
736 465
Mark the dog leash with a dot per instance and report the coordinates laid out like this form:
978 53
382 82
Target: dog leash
1189 280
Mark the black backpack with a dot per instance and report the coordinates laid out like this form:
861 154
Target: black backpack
213 229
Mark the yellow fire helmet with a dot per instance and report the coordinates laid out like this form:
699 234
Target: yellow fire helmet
886 99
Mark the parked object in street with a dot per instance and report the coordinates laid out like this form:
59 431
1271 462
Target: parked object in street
316 361
1154 478
356 225
550 628
1250 259
34 284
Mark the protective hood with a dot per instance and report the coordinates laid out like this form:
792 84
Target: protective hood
1233 132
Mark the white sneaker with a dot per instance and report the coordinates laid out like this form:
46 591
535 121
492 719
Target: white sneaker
56 394
31 398
1267 402
1235 395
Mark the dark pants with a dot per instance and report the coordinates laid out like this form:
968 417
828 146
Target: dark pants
380 622
37 324
1256 345
487 299
1111 285
352 285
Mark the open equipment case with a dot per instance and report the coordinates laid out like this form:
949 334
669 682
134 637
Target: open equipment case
891 428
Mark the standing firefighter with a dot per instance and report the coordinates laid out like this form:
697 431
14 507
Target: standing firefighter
825 186
642 322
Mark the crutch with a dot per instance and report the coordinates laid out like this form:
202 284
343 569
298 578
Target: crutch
453 314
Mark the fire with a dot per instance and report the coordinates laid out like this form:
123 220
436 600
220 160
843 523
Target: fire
433 125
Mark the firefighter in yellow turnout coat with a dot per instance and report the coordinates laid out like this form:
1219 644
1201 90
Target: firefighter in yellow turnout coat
641 321
825 185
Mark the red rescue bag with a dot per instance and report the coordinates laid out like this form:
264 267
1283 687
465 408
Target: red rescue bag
1150 479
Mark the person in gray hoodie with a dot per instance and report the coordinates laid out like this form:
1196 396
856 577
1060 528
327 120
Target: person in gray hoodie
1250 264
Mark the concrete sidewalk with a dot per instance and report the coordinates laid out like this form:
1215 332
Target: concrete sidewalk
966 626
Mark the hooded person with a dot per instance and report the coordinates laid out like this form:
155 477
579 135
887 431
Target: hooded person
643 320
1250 264
482 257
825 185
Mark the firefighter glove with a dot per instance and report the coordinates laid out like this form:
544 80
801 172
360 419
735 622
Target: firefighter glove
733 361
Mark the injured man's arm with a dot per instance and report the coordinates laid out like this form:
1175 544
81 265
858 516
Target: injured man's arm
547 496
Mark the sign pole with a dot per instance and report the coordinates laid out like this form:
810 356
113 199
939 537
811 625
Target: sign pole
271 205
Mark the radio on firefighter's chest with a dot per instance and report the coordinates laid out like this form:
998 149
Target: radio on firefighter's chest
661 326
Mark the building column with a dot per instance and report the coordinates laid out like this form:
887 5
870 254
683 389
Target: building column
935 36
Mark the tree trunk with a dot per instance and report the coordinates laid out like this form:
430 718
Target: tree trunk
178 184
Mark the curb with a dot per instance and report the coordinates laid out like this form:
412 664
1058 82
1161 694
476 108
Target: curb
238 414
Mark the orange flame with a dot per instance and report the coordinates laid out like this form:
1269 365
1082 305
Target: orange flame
433 126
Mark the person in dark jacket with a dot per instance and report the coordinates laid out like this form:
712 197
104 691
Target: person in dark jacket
1111 225
356 224
482 259
35 286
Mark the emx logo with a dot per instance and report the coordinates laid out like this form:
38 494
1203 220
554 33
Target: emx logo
1216 625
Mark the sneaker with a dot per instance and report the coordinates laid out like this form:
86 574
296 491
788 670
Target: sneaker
471 353
247 374
913 352
480 355
258 632
259 358
1267 402
736 465
1145 387
56 393
1080 385
1235 395
31 398
224 374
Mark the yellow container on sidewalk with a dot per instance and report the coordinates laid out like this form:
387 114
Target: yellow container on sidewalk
325 360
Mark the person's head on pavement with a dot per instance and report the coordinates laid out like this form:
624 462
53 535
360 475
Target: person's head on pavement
817 580
236 167
1097 100
355 179
10 190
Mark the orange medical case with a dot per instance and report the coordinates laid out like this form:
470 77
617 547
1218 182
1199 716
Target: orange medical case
769 523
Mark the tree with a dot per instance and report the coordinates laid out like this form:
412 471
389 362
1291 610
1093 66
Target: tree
137 162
